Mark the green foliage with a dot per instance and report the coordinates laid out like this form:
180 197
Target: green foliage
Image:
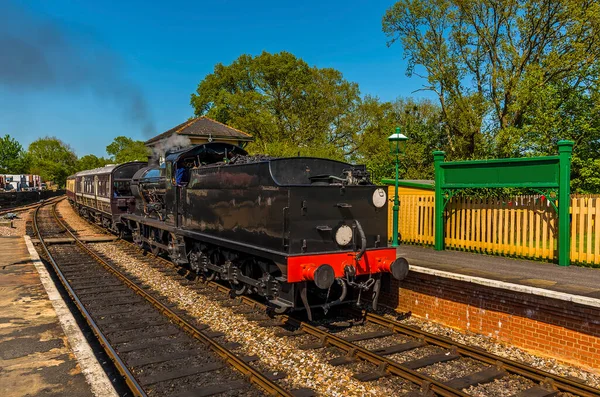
124 149
284 103
52 159
90 161
293 109
12 156
420 121
512 77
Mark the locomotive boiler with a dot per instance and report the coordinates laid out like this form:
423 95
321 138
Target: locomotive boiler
302 232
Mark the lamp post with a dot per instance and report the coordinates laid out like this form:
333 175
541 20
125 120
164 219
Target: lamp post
397 147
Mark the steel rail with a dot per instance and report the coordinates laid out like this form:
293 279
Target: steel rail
511 366
252 374
385 363
327 338
133 384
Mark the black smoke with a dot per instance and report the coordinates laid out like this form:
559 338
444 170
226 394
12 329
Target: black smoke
39 54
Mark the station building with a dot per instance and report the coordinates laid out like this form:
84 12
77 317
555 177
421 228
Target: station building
197 131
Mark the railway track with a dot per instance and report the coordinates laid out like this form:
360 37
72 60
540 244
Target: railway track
157 349
397 339
384 343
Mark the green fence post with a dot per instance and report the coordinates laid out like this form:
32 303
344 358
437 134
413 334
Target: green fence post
438 158
565 150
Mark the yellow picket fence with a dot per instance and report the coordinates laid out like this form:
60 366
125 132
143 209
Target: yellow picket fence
523 226
585 229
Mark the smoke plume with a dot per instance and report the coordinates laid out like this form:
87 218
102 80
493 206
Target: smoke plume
170 144
40 54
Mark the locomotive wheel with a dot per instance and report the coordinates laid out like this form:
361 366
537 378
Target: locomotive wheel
137 239
154 250
246 268
155 236
238 288
210 275
215 258
195 261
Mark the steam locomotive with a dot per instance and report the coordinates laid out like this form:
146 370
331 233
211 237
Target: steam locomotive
302 232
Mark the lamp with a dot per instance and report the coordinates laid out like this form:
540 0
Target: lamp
397 142
397 147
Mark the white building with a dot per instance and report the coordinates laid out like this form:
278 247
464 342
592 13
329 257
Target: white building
19 182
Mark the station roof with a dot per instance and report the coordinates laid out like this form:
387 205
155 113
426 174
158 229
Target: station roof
203 127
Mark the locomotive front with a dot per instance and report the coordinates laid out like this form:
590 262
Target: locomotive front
335 232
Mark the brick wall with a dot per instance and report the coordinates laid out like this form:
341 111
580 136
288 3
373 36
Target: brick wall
556 328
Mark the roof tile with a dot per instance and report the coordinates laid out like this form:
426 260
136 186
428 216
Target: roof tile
203 126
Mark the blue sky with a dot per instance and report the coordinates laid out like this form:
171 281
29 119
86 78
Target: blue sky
163 49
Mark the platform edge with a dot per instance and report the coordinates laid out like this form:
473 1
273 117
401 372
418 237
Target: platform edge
90 367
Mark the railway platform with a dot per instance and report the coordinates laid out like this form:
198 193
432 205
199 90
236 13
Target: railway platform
572 283
42 350
541 307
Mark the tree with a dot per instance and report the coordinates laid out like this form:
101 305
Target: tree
492 63
561 113
11 156
124 149
420 122
90 161
52 159
287 106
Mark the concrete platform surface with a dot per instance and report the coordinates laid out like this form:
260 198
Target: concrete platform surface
35 356
538 277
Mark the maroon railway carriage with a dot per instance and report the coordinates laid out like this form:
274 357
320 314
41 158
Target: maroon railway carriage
103 194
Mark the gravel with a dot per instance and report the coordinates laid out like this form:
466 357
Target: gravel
453 369
371 344
78 225
19 224
501 349
507 386
416 354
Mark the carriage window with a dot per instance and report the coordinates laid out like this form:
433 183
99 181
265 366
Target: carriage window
103 186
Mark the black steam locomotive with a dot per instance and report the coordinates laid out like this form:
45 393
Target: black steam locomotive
302 232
